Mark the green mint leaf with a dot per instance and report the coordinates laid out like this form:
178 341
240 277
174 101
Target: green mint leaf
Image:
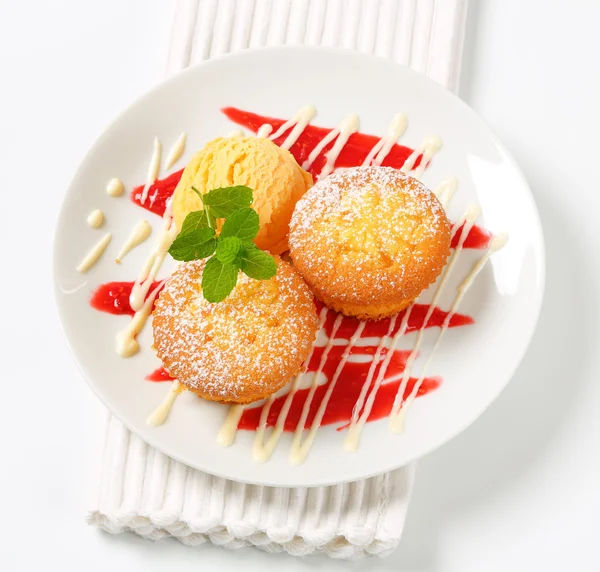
256 263
228 249
225 201
243 223
218 280
193 245
206 212
194 221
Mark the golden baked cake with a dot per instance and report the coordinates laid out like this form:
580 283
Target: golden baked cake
368 240
272 173
241 349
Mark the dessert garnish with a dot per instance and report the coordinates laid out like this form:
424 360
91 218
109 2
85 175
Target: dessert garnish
232 249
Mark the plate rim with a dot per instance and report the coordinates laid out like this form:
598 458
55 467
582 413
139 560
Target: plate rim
334 51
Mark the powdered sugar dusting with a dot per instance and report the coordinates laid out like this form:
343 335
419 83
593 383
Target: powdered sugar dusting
242 348
365 231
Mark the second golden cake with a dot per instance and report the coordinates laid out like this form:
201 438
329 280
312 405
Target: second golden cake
368 240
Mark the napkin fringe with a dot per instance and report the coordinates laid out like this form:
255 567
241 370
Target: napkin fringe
145 492
237 535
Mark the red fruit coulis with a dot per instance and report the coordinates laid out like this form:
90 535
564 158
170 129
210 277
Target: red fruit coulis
158 193
354 152
113 297
159 374
354 375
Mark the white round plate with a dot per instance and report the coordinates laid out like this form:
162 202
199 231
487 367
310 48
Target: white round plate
475 362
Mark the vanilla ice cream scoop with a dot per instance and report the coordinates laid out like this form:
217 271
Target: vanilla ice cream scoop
272 173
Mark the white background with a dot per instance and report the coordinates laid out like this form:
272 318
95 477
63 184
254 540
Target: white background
520 490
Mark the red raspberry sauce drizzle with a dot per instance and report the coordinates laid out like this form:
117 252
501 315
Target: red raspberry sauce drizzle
113 298
353 376
379 329
160 374
158 194
478 238
354 152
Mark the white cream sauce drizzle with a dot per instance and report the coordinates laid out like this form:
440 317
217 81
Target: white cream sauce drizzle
115 187
382 148
301 119
446 190
299 122
226 435
160 414
428 149
94 254
127 344
154 261
236 133
341 133
175 152
153 169
262 450
399 412
95 218
139 300
467 222
300 450
141 231
264 131
367 384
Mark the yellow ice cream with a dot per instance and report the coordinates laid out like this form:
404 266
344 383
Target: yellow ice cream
272 173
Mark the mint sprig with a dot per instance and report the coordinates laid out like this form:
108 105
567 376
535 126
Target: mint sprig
232 249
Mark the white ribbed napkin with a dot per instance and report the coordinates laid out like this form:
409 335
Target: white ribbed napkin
144 491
